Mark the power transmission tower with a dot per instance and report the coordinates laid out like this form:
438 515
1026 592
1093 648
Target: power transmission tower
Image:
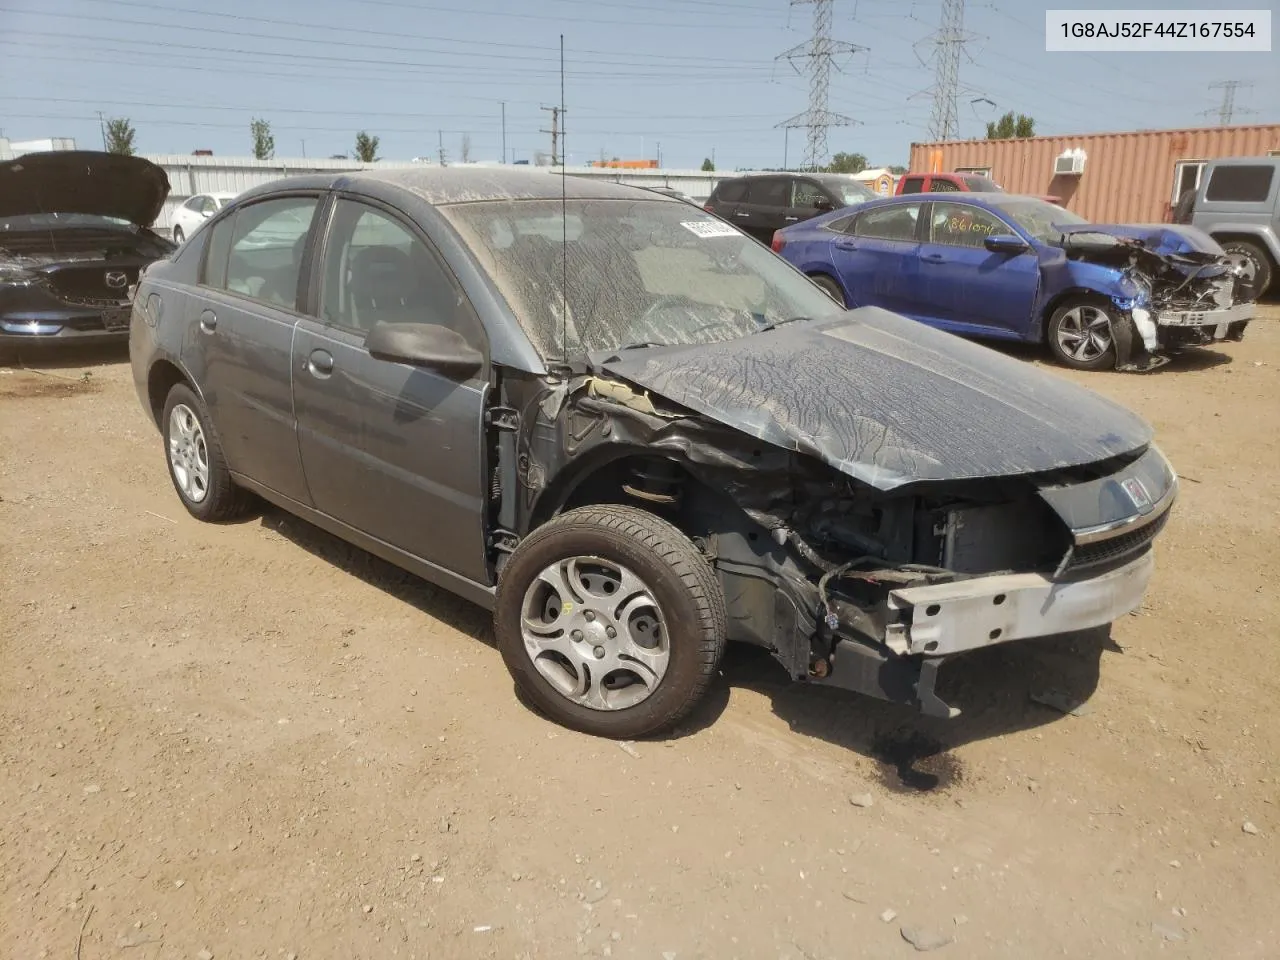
1228 109
821 52
556 133
440 133
948 42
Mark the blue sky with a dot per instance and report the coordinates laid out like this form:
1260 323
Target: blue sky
693 76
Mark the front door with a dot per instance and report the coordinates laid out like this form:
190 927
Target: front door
393 450
765 208
967 288
243 316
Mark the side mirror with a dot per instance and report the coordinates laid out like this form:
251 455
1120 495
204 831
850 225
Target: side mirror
426 345
1005 243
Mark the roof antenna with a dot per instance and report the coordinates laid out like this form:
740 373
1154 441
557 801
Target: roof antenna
564 228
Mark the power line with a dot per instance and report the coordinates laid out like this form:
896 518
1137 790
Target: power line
820 51
1228 109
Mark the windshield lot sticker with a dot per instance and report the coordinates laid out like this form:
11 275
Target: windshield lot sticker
710 228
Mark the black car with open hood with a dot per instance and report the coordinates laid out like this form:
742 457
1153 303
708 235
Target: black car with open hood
74 235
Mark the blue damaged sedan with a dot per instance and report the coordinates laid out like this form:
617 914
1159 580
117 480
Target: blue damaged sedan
1019 268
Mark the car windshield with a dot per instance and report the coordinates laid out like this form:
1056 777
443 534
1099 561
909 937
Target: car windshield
60 221
853 193
639 272
980 184
1041 219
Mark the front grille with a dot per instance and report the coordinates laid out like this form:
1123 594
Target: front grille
93 301
74 284
1121 547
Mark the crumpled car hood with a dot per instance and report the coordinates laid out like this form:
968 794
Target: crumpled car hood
83 181
889 401
1163 238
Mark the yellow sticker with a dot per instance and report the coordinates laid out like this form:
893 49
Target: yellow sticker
567 607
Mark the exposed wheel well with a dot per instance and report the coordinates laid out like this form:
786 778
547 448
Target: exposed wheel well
162 378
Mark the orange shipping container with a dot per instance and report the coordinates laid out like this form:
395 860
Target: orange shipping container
1128 177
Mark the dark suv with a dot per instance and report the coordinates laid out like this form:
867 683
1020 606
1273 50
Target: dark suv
762 203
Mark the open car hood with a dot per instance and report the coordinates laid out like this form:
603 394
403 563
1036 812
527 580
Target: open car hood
889 401
83 181
1162 238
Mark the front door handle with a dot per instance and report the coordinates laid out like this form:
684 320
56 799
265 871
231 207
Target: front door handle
742 214
846 245
790 219
208 321
933 258
320 364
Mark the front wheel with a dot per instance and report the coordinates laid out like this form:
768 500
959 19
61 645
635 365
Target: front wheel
178 235
1256 274
1080 335
610 621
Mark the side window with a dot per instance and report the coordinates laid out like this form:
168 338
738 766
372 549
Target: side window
770 192
938 185
207 206
213 272
266 249
912 184
1240 184
1186 176
376 270
960 225
193 204
731 191
807 193
897 222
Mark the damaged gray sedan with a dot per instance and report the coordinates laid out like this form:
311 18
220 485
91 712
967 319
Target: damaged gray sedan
635 435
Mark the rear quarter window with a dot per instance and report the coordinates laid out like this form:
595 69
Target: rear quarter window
1240 184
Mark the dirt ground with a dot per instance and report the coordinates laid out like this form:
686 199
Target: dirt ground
252 741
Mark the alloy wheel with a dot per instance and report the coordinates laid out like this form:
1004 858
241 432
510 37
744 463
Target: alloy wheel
1084 333
188 453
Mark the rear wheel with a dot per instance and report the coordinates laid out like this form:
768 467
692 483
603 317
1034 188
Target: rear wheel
610 621
194 456
1080 335
1256 266
830 288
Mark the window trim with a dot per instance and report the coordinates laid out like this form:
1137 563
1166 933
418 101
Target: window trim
1178 166
928 224
305 268
316 284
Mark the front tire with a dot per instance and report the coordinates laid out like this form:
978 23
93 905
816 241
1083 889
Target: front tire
610 621
194 457
1080 335
830 288
1257 266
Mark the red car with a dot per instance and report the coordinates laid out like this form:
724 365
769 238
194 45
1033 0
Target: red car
953 183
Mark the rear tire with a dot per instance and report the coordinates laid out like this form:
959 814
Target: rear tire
194 457
1257 263
1080 335
830 288
610 622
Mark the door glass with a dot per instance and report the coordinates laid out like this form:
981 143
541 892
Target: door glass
771 192
943 186
960 225
1240 184
377 270
897 222
731 191
207 206
213 272
266 249
912 184
807 194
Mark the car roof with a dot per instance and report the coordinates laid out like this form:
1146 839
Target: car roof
441 186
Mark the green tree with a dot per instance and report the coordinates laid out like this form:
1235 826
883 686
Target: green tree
366 148
120 134
264 144
1010 126
847 163
708 166
897 169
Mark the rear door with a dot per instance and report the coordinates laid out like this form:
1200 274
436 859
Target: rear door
243 314
393 450
876 258
725 198
765 207
966 288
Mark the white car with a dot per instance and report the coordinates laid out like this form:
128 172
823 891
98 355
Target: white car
197 210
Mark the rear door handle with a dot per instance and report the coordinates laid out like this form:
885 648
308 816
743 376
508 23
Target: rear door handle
790 219
933 258
320 364
846 245
208 321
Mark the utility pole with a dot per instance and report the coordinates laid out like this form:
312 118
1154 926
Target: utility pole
555 132
441 133
1228 109
504 131
304 146
820 51
659 154
948 41
102 128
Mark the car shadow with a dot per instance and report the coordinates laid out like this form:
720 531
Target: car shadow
1189 359
66 355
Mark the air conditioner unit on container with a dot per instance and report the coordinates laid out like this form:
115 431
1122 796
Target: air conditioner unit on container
1069 163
